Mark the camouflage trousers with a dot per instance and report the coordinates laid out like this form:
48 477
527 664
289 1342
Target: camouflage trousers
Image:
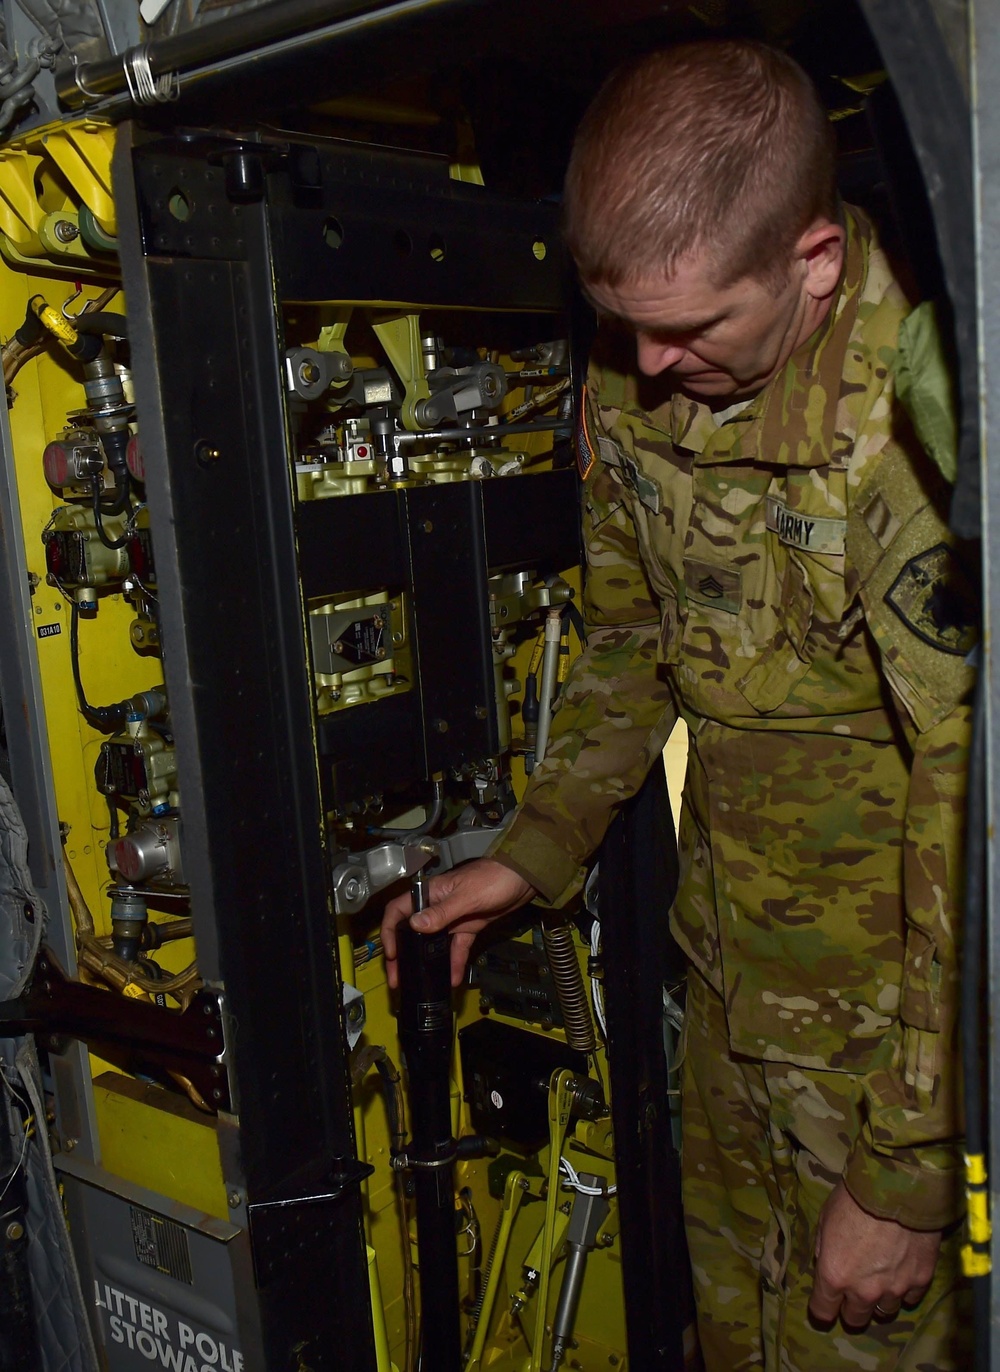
764 1145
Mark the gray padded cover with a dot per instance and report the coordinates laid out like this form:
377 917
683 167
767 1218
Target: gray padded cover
65 1340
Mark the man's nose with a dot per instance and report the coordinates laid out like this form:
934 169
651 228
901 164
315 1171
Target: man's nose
656 355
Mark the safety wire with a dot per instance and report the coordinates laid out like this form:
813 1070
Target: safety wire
27 1126
596 987
572 1180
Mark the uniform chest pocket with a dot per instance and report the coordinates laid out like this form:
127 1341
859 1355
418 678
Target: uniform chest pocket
784 660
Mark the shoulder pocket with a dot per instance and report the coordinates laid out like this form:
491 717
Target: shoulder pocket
918 603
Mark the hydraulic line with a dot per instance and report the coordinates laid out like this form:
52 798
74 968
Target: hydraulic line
426 827
550 666
560 949
29 339
425 1034
105 718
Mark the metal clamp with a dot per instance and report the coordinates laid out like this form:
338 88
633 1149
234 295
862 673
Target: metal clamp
402 1162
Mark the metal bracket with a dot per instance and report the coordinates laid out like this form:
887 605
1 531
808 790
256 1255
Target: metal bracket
356 880
190 1043
281 1225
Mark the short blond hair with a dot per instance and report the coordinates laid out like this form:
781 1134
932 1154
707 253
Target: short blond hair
721 147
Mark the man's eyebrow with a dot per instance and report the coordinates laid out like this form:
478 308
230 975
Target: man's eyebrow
680 326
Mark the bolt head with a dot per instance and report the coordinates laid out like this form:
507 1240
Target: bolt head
235 1199
14 1231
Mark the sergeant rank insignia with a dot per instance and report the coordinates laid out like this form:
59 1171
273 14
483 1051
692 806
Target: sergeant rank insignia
933 598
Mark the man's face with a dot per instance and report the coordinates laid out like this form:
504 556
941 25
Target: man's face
713 343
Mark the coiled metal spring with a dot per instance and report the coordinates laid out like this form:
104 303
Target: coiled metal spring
560 949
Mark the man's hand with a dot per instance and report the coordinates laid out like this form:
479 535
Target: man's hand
468 898
865 1266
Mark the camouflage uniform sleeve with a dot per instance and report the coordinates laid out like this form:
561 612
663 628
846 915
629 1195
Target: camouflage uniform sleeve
614 713
920 610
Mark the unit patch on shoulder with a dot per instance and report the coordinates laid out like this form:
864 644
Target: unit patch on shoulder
933 598
585 447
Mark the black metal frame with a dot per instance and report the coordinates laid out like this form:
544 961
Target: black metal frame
236 565
638 877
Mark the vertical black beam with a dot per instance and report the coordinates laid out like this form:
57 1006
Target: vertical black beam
206 362
638 878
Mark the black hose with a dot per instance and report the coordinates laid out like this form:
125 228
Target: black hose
105 718
85 347
105 323
102 533
32 331
576 619
115 445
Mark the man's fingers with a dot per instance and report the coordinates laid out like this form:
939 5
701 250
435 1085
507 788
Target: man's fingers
461 943
855 1313
395 912
825 1302
914 1296
437 915
886 1308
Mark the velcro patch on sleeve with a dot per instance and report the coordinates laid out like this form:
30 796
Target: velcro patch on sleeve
933 598
586 454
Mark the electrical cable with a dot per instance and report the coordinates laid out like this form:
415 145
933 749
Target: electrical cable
18 1165
596 989
573 1181
104 718
113 543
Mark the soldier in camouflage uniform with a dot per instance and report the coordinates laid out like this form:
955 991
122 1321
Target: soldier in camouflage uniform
777 571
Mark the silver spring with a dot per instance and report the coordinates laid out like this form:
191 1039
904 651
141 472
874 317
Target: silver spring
560 949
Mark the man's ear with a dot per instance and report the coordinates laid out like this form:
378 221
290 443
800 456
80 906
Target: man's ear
821 249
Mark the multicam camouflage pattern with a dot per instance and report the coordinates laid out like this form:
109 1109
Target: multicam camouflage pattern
776 567
764 1145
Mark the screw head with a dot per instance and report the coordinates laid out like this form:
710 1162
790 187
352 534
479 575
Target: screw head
205 453
14 1231
235 1199
65 230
